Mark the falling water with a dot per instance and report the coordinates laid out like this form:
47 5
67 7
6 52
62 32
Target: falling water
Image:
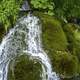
25 38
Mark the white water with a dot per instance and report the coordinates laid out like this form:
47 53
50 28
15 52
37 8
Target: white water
25 37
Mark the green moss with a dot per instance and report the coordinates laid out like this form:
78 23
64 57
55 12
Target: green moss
70 30
25 68
76 43
65 64
73 35
54 39
53 36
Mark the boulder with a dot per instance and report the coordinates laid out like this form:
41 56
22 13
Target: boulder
55 39
53 36
66 64
25 68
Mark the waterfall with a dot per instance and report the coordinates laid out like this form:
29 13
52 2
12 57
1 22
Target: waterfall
25 38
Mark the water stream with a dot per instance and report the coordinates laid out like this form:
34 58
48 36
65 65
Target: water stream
25 38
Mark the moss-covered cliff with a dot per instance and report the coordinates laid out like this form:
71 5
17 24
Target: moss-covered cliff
62 45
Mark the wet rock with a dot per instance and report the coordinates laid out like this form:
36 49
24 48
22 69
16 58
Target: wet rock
25 6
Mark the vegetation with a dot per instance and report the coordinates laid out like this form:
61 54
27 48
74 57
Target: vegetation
69 29
73 35
25 68
53 36
9 9
9 12
67 8
46 6
61 44
2 32
76 49
60 41
65 64
62 8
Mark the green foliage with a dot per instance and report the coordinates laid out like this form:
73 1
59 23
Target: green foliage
43 5
65 64
61 8
9 9
67 8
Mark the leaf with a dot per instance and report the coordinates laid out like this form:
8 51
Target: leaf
50 13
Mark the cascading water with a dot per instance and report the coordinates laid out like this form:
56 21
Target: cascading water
25 38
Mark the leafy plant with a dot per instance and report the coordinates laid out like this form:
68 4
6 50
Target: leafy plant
43 5
9 10
67 8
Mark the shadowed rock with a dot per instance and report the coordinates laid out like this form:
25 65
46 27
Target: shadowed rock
25 6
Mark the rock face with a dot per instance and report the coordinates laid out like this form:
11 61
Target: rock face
24 67
25 6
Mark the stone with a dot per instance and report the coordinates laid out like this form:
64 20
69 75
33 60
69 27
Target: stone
25 68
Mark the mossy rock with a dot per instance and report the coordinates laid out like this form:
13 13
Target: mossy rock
65 64
53 37
74 78
76 44
25 68
73 36
70 30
